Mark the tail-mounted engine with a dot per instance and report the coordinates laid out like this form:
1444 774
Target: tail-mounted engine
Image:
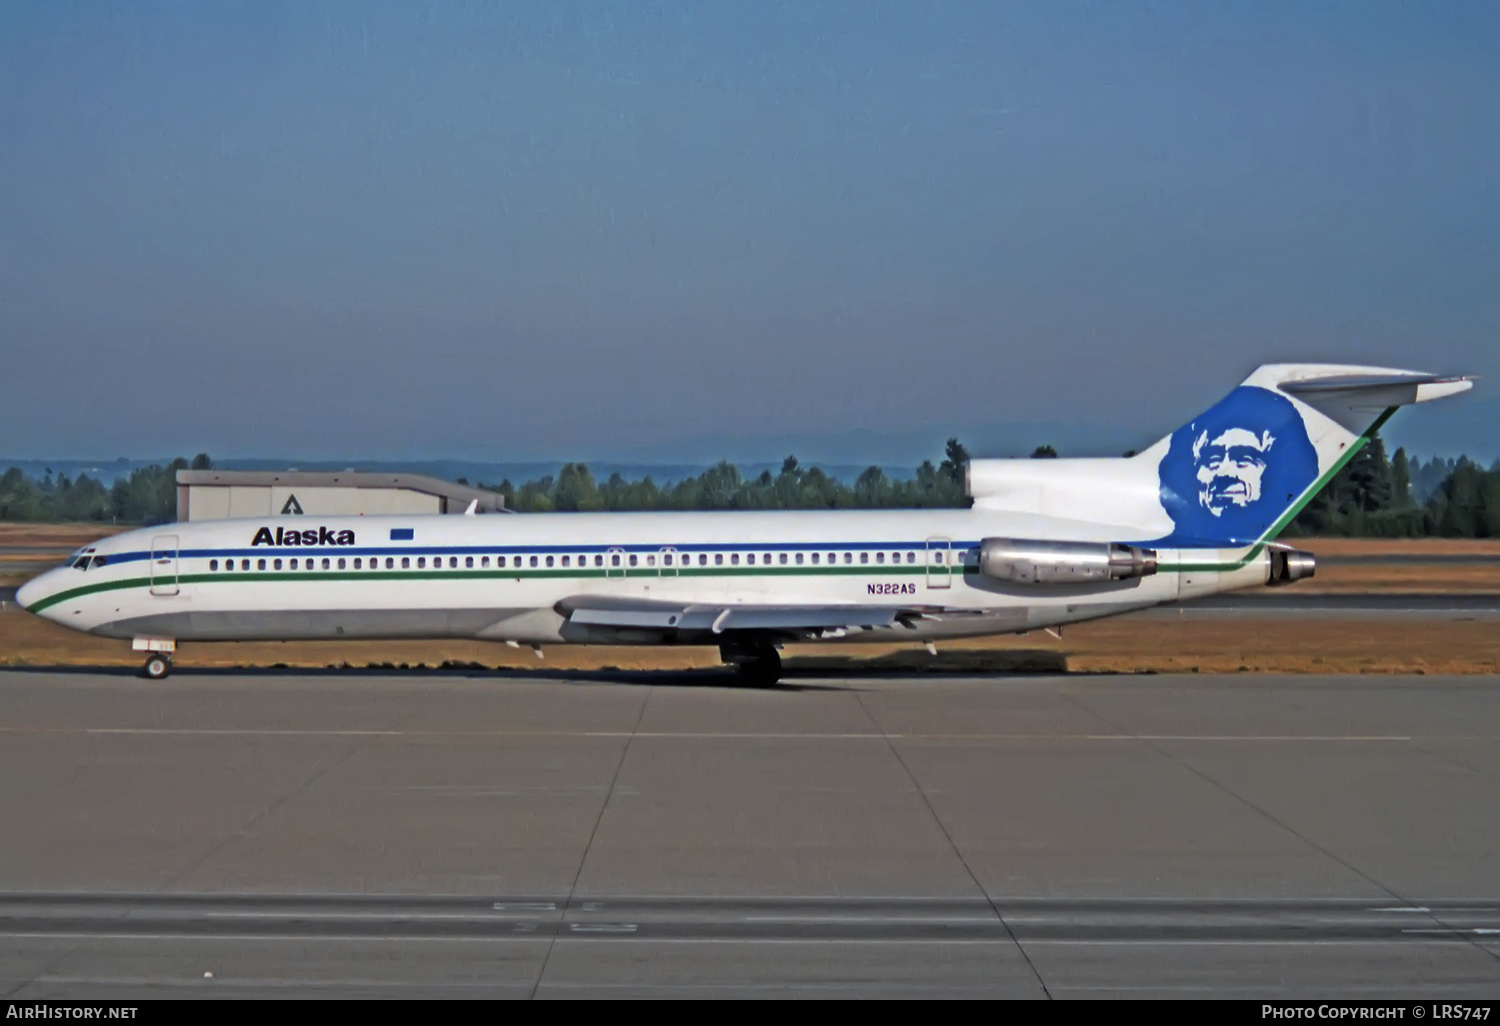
1019 561
1289 566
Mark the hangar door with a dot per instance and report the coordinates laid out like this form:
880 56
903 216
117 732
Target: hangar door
164 564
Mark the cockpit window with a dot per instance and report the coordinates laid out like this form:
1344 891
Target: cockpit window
99 561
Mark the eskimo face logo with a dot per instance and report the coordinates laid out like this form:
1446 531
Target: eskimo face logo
1230 468
1230 473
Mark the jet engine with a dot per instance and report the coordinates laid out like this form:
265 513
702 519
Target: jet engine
1019 561
1290 565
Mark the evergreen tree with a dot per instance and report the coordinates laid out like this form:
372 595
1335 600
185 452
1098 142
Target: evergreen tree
955 456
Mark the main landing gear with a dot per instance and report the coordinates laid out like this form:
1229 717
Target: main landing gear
756 665
158 666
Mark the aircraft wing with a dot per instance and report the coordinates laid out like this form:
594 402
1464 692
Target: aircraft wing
714 618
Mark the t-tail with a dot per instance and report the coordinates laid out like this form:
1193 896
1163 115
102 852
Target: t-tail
1239 473
1230 479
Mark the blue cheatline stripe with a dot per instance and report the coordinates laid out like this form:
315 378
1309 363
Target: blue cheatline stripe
638 573
539 550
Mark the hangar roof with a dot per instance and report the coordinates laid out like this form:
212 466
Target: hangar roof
458 496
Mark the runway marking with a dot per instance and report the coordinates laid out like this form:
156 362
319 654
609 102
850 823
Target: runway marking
525 906
615 937
727 735
1249 737
602 927
1480 930
1405 909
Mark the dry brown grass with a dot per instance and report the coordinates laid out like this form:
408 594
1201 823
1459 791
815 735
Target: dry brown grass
1157 645
68 536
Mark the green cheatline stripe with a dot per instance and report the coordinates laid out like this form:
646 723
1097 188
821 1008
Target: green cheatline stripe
1286 518
638 573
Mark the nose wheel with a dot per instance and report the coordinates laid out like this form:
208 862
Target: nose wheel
157 667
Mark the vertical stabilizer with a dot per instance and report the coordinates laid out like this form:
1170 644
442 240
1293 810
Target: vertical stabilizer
1237 474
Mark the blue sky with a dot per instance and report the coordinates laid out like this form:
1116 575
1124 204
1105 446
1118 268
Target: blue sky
517 231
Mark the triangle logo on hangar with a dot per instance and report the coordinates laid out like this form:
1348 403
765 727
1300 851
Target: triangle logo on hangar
292 506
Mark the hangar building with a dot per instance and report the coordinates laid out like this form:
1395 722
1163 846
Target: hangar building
222 494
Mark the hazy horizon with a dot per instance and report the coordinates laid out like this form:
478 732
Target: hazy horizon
336 229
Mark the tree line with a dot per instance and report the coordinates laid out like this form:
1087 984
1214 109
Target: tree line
147 496
722 486
1374 495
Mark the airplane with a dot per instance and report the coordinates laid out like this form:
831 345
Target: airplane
1046 542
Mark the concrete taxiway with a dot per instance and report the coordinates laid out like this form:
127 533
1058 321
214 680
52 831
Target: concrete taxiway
506 834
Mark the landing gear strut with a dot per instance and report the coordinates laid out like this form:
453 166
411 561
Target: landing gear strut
756 665
157 666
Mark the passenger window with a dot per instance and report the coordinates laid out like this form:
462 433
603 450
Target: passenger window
735 559
833 557
469 562
213 564
667 559
911 557
260 564
848 557
650 560
632 560
799 559
614 560
484 561
815 557
276 564
244 564
549 560
703 559
718 559
783 559
533 561
405 562
421 562
341 563
565 561
499 560
864 557
880 557
293 564
389 562
325 562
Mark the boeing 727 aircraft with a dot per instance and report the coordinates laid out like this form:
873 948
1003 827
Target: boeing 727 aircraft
1046 543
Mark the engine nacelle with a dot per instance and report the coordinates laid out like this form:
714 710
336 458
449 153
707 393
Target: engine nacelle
1290 565
1019 561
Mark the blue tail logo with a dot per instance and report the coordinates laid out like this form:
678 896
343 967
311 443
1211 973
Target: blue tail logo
1229 474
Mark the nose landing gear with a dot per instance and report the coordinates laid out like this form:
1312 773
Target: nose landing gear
158 656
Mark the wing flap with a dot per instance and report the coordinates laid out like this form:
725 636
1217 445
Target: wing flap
720 618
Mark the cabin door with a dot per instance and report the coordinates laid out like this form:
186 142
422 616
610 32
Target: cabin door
164 564
939 563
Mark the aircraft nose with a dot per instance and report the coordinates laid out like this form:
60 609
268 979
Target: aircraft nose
32 592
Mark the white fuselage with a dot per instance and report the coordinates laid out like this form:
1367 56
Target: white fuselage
510 578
